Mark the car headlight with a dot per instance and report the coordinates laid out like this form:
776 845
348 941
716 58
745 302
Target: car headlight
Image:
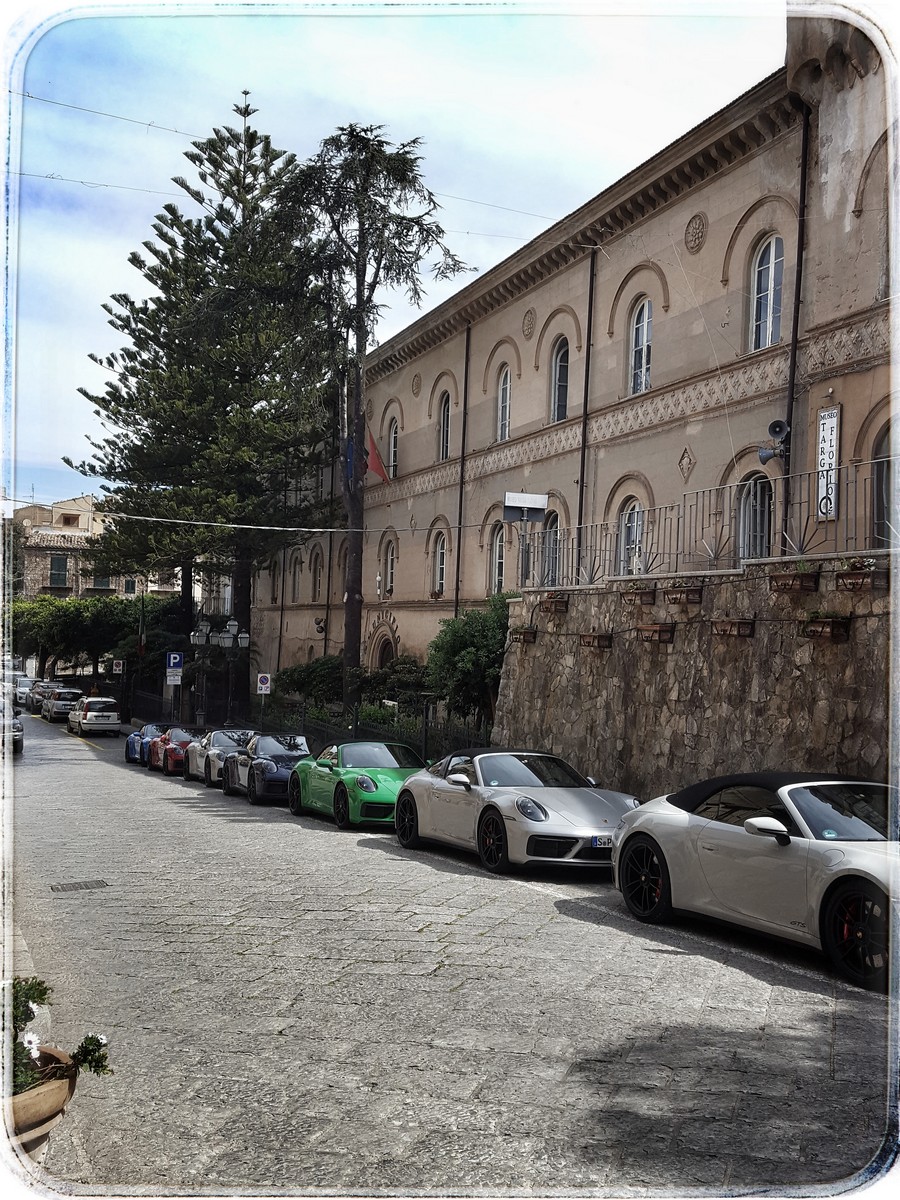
531 809
365 784
18 727
269 768
216 755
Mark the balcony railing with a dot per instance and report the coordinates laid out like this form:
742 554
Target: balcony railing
845 510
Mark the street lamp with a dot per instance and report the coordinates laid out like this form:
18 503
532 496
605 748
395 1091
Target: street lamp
201 640
232 639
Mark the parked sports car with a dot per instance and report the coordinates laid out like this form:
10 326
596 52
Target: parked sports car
262 767
354 781
802 856
511 806
137 743
204 756
166 751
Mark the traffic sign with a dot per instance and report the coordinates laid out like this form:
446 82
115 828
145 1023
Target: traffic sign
263 685
118 666
174 660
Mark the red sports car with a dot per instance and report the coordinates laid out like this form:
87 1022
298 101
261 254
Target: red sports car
166 752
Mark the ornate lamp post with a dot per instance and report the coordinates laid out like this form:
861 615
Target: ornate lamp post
202 641
232 639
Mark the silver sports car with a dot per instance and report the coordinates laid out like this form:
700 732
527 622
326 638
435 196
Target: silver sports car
800 856
511 806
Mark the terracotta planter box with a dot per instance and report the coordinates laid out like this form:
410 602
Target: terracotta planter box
662 632
832 629
862 581
794 581
639 596
524 635
596 641
559 605
737 627
684 595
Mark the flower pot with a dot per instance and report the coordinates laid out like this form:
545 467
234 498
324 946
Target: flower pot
862 581
639 596
36 1111
692 594
832 629
794 581
524 635
663 631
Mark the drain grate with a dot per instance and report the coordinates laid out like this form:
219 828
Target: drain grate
78 887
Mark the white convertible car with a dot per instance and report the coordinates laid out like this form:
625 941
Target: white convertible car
511 806
796 855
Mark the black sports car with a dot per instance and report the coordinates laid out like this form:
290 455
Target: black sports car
263 767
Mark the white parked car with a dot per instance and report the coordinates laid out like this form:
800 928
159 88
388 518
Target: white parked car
95 714
203 758
796 855
511 806
59 703
21 688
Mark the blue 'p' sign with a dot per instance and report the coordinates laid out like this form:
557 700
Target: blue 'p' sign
174 660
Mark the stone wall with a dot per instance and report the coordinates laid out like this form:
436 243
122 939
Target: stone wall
647 717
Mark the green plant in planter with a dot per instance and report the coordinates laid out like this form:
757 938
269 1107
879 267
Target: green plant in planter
28 994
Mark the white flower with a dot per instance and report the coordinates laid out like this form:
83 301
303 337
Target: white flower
33 1007
31 1042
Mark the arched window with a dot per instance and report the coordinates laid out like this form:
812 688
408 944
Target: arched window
550 563
768 276
884 524
439 565
385 654
498 552
444 428
641 337
754 518
315 570
273 581
629 540
559 402
388 569
393 447
503 404
295 579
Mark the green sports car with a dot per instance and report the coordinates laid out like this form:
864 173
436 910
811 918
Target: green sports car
353 781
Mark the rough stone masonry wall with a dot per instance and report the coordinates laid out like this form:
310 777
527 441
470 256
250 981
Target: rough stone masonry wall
647 717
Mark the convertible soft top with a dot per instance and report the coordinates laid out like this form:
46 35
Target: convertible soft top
691 797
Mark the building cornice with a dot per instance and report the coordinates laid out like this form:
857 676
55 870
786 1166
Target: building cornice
760 116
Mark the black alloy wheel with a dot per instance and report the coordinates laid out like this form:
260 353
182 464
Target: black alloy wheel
493 849
166 764
186 768
252 795
406 822
644 880
855 933
207 774
227 789
127 756
295 795
341 807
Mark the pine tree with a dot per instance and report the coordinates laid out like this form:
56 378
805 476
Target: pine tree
217 409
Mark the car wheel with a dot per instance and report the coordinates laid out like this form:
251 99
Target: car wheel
166 765
493 849
855 935
295 796
406 822
127 755
252 795
341 806
207 775
644 880
185 768
227 789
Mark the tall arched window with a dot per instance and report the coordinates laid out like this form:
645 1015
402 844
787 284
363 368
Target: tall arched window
550 563
444 428
295 579
884 521
768 277
629 540
503 404
754 518
315 570
559 403
273 581
389 569
439 565
498 552
393 447
641 337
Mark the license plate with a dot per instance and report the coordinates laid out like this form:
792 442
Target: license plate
600 841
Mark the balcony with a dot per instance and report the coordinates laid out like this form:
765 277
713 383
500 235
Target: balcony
842 513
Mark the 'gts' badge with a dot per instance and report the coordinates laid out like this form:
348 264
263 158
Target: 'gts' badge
798 924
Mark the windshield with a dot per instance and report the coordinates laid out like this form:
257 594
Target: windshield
283 743
235 737
377 754
529 771
177 734
847 812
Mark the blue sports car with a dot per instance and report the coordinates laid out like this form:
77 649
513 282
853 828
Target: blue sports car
137 744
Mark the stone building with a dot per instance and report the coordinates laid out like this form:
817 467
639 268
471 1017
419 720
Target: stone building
689 375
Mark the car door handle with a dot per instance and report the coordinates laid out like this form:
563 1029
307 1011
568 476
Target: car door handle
711 849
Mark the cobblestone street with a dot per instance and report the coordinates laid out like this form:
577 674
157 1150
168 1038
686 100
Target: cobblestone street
291 1007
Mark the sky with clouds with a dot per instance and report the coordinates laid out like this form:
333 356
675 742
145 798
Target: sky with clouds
525 112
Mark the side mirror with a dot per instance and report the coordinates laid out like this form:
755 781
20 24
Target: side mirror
460 781
591 780
768 827
325 764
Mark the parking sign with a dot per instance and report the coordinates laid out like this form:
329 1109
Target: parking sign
263 685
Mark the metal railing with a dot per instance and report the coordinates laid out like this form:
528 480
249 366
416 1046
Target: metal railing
845 510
